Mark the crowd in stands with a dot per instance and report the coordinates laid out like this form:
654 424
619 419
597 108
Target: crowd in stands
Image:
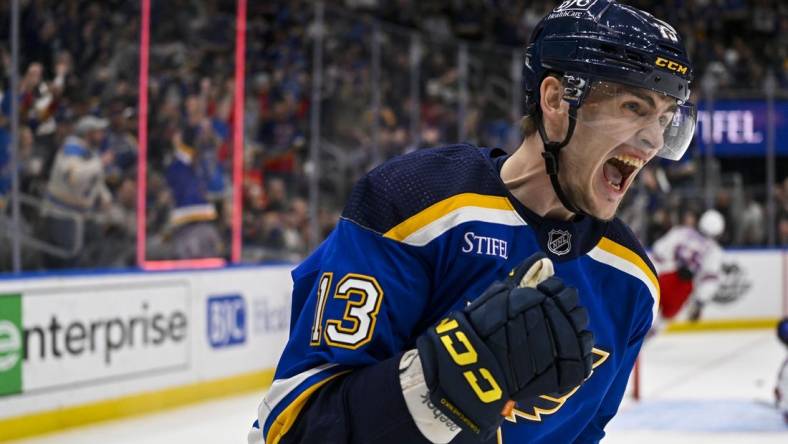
78 104
77 134
738 40
653 206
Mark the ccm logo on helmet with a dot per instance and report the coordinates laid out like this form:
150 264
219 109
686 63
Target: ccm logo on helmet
671 65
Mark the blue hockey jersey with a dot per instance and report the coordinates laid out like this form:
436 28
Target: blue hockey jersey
423 235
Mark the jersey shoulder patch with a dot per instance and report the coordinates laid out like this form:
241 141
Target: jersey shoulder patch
405 186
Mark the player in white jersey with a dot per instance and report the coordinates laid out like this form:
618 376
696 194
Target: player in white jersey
781 390
689 264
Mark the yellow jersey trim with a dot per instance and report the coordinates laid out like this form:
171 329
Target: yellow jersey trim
136 404
443 207
287 418
630 256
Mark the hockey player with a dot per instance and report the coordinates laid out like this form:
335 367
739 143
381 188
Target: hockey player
431 306
689 263
781 390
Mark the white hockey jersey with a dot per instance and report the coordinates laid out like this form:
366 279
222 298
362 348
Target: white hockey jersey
683 246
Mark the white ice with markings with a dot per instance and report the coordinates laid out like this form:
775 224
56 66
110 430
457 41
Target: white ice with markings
696 388
705 388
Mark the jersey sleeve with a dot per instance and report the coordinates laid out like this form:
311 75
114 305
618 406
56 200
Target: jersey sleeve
357 304
644 291
595 430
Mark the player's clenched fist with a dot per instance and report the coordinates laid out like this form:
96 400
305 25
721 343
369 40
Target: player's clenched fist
512 343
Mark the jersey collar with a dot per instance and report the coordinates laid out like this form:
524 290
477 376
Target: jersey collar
561 240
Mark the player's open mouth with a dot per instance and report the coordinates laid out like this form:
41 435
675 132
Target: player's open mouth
618 169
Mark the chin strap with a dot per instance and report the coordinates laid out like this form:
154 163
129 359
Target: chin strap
551 155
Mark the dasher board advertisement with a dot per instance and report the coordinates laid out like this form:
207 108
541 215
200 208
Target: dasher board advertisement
54 338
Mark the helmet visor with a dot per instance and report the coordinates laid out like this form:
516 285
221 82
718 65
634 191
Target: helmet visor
645 119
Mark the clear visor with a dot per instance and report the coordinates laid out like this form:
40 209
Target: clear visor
638 117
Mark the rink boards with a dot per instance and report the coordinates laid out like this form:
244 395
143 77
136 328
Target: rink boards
82 348
757 296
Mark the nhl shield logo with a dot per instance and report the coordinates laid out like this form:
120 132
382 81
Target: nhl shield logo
559 242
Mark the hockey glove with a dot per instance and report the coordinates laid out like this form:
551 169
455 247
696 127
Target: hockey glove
512 343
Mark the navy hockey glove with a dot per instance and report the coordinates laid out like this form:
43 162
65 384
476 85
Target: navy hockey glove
512 343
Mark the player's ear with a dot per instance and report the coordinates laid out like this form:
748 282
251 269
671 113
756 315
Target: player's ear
554 109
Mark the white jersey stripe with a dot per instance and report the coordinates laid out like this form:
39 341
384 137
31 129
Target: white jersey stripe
434 229
280 388
628 267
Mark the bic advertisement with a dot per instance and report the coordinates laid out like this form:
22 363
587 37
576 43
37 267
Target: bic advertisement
56 339
740 127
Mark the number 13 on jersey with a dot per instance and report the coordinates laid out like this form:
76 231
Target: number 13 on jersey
362 296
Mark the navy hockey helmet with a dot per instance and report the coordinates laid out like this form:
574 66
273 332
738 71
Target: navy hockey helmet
604 40
589 42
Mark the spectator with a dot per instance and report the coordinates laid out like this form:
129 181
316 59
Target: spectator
750 223
121 143
193 218
276 195
119 236
26 101
76 192
782 230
